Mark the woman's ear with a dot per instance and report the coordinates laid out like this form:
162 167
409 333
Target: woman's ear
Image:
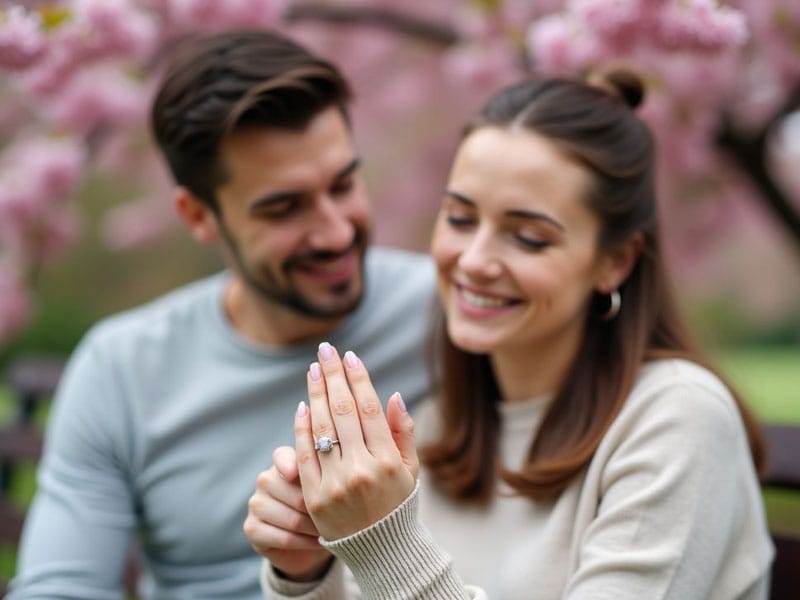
618 263
197 215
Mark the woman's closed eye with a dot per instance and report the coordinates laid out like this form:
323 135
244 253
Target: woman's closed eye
460 220
532 243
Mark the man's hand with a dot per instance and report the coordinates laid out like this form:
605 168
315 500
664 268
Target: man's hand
278 525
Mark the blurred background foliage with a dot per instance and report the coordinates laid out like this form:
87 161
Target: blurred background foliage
723 84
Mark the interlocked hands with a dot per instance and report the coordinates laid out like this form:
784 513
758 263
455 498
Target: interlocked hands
309 493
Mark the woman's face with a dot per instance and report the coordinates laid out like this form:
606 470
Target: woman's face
516 246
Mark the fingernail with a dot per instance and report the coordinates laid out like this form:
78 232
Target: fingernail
315 370
400 402
302 409
325 351
351 359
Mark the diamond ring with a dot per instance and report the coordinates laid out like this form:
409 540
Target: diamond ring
324 444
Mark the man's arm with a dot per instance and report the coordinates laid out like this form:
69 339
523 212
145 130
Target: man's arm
77 532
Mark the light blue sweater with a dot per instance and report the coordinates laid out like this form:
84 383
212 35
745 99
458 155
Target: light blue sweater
164 418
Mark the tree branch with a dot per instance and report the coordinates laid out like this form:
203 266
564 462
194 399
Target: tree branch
749 152
439 34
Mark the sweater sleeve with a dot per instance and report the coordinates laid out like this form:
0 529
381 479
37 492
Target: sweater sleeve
676 489
396 558
78 528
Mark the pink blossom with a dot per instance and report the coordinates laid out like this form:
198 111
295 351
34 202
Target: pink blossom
22 41
134 224
523 12
757 93
54 69
559 45
681 74
106 29
776 28
701 25
97 97
213 15
484 66
683 135
36 175
617 22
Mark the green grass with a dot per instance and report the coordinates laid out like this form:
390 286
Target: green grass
769 379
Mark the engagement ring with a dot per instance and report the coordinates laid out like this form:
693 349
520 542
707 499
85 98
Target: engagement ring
324 444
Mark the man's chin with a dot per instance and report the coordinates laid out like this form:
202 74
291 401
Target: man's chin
335 308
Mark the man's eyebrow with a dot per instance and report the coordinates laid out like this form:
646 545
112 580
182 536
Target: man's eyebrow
275 198
516 213
293 195
349 168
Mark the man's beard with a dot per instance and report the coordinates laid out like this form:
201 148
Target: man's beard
267 289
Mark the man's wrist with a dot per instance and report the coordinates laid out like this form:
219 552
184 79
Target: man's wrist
314 575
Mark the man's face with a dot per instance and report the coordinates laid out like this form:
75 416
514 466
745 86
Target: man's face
294 215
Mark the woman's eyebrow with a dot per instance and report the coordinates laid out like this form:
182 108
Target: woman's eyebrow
515 213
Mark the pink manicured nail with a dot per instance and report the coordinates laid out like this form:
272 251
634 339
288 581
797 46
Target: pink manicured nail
302 409
325 351
316 371
351 359
400 402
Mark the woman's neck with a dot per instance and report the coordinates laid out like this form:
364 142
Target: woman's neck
526 372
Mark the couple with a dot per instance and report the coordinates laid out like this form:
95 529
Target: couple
574 445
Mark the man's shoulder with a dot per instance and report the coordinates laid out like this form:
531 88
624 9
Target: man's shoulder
181 308
400 290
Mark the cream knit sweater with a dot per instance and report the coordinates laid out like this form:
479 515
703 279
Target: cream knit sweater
668 508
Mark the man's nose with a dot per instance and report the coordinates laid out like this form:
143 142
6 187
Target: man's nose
330 229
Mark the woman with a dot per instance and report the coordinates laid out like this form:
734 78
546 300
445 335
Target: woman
580 448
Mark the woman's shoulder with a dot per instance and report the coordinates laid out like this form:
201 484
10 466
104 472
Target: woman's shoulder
670 372
682 393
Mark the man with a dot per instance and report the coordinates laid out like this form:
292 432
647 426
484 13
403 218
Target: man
166 413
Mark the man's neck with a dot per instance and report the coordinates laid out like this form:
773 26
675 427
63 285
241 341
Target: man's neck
269 324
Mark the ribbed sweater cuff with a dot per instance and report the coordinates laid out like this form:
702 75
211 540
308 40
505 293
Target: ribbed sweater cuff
396 558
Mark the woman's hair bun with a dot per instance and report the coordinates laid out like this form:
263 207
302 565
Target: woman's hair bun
621 83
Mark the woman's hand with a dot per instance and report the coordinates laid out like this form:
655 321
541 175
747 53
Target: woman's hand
278 525
374 465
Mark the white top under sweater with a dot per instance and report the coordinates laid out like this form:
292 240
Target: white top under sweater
668 509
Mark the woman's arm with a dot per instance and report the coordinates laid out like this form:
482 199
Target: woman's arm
361 493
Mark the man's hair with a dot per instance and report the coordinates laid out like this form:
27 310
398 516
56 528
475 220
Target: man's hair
224 82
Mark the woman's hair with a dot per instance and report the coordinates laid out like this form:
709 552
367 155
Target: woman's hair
595 124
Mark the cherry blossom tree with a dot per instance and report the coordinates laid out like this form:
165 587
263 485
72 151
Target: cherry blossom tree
76 78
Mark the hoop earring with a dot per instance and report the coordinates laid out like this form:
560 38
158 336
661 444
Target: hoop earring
614 306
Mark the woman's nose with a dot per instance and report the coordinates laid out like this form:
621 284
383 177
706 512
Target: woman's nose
479 257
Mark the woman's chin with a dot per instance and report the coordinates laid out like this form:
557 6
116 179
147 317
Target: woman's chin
471 344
